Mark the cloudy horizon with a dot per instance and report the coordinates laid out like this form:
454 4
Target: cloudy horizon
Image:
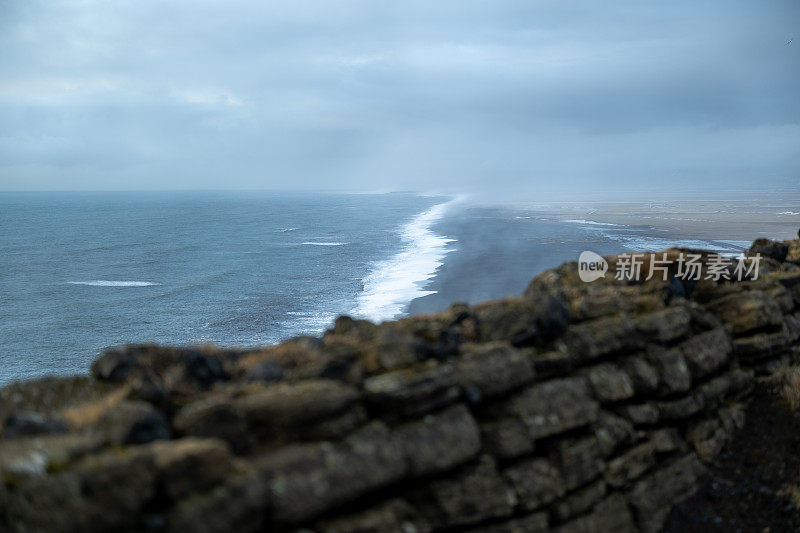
511 99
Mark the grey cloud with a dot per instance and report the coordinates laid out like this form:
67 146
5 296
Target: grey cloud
519 98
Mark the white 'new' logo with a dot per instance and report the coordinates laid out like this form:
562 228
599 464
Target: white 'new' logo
591 266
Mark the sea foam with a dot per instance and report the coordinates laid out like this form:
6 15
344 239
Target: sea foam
107 283
393 283
591 222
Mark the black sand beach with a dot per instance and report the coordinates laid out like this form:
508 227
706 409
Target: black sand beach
499 249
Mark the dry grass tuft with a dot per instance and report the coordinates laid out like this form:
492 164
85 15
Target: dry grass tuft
791 493
787 378
86 414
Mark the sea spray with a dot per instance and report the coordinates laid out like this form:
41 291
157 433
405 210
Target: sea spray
393 283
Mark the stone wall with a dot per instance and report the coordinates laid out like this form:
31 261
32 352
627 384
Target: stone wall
574 408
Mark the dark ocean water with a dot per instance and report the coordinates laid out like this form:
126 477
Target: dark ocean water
83 271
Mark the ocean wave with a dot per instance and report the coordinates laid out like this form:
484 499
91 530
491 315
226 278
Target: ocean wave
591 222
108 283
642 243
323 243
789 213
393 283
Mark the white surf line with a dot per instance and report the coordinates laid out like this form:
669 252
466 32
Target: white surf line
393 283
591 223
109 283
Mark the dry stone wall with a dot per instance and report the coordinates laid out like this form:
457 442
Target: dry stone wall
576 407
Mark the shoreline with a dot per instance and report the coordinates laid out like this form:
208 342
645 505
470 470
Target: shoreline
499 249
394 282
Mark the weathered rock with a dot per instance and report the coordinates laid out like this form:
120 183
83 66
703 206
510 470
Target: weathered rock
183 370
406 393
581 500
665 325
475 494
586 303
267 371
337 357
132 422
190 465
672 370
240 505
715 390
48 396
707 352
205 369
103 493
612 514
492 369
667 440
761 346
534 523
652 497
747 311
594 339
511 319
293 353
393 515
115 364
439 441
609 383
536 482
681 408
30 457
780 293
553 407
612 432
304 480
507 438
395 349
768 248
553 363
701 318
644 375
793 251
631 465
579 460
295 404
214 417
641 414
25 424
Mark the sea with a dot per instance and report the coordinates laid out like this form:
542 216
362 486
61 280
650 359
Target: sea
82 271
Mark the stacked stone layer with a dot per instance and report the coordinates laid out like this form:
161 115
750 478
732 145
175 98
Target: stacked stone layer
573 408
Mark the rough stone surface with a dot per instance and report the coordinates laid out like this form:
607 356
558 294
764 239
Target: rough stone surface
475 494
536 482
609 383
554 406
493 369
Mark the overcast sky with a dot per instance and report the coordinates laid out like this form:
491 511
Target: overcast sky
516 98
